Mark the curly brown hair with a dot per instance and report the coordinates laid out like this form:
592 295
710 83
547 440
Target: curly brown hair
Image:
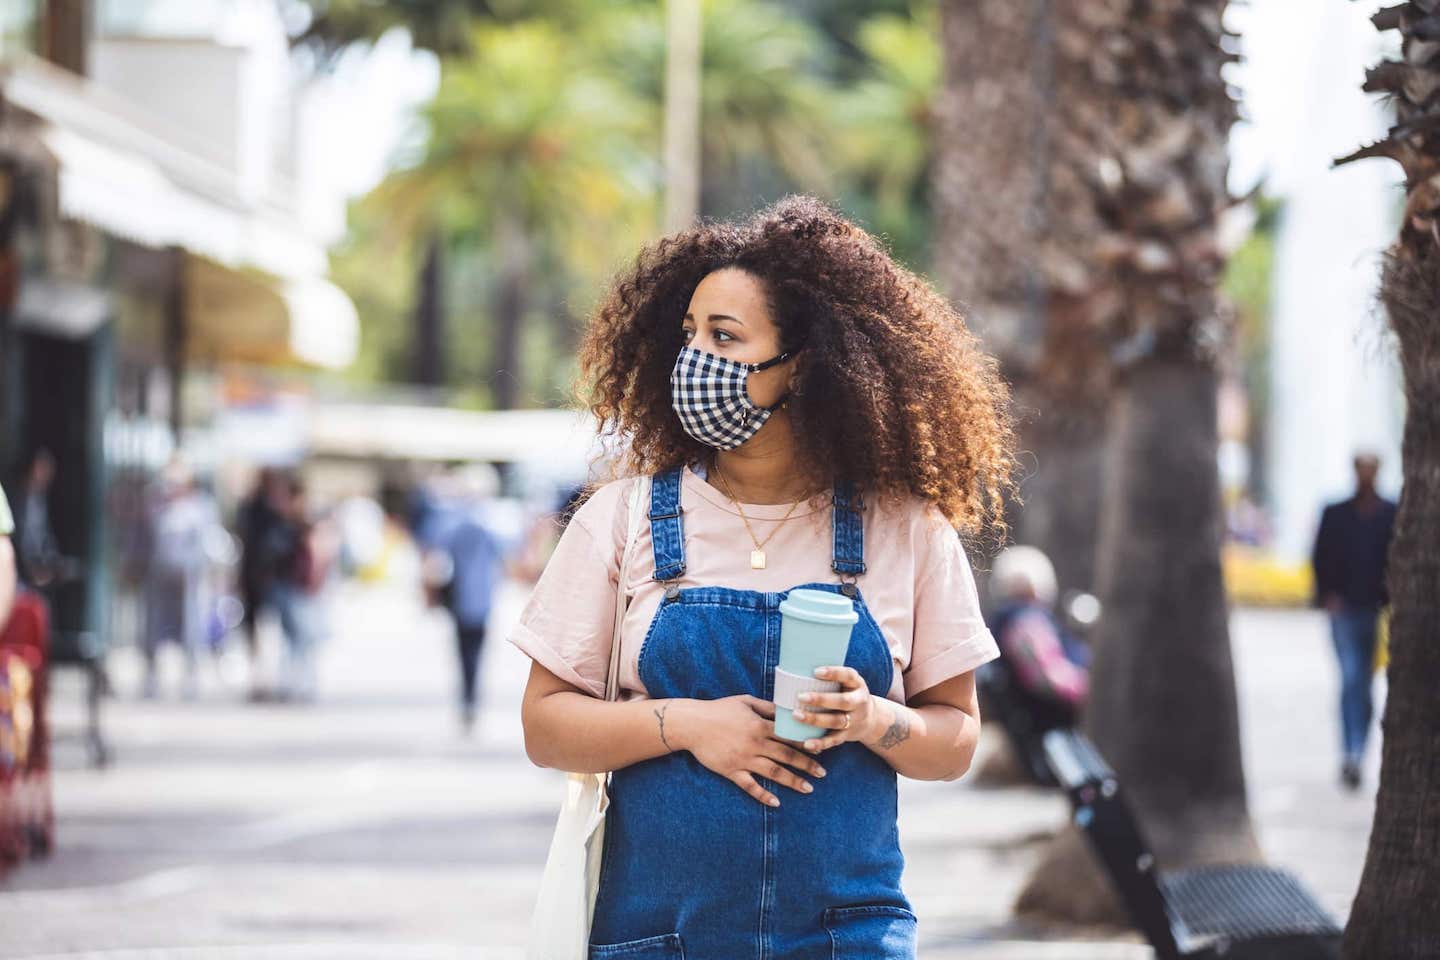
895 393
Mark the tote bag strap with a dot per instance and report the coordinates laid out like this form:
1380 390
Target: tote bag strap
612 676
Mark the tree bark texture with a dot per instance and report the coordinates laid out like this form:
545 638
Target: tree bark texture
513 250
1015 219
429 354
1395 912
1153 113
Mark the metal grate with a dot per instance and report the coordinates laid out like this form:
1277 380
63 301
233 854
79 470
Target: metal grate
1244 903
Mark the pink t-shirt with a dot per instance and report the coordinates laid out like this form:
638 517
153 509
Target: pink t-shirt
918 584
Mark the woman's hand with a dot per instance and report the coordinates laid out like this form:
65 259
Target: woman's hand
852 715
735 737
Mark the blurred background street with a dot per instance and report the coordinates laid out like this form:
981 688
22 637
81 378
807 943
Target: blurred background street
293 305
366 827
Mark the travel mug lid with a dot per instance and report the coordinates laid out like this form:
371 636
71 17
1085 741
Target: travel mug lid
819 606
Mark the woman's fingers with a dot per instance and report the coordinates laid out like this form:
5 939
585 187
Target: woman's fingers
776 750
781 774
849 700
828 721
765 708
848 677
746 782
824 743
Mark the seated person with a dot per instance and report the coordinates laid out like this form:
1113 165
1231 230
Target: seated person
1047 668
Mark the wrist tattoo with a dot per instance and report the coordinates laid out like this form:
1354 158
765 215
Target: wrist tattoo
898 733
660 715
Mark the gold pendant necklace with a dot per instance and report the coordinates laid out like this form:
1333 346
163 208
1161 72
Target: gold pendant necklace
757 556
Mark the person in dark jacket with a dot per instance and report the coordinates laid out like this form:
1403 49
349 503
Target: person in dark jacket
258 523
1349 561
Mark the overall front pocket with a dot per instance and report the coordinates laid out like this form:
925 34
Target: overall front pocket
874 932
665 947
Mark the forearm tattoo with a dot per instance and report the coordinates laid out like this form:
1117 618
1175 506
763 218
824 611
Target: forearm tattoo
898 733
660 715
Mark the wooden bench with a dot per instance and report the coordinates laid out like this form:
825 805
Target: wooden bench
1235 912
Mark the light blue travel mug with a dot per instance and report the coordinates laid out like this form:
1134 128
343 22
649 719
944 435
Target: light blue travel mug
815 630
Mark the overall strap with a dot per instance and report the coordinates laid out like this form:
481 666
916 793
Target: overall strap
849 537
667 533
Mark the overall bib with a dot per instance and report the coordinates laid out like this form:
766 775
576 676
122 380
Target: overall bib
696 868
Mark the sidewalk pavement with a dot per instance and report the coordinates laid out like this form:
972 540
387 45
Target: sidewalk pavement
365 826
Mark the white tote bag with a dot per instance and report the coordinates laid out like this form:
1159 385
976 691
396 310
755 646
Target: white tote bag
560 926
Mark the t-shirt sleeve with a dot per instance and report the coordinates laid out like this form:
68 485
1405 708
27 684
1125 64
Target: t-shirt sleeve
568 623
950 634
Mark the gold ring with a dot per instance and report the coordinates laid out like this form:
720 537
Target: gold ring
847 722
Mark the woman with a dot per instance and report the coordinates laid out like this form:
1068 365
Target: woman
812 415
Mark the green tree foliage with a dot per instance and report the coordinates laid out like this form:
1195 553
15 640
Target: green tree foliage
541 161
538 170
1247 283
881 126
440 26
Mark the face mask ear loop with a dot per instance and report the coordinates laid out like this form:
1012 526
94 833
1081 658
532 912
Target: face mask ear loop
767 364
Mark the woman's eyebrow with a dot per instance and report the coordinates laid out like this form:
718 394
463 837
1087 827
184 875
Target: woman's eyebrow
718 316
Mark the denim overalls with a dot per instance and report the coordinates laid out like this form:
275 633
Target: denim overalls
696 868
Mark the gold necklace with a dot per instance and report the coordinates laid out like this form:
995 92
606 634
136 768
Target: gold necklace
757 556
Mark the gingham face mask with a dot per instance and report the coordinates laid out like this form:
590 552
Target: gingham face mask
709 395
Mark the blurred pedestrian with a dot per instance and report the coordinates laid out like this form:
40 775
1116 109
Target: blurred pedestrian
7 560
360 524
429 513
1042 666
307 556
258 523
184 521
39 560
476 556
1349 558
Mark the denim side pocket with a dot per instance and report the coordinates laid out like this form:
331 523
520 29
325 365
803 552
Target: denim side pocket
665 947
874 932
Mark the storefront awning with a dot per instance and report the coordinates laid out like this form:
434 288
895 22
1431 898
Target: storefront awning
128 196
248 318
119 172
254 280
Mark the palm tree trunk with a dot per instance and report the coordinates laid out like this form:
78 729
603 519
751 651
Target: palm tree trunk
65 34
1064 460
429 356
1167 643
1152 108
682 113
1394 914
513 251
1015 226
1162 699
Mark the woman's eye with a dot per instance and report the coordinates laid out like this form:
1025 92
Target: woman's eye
686 333
727 337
